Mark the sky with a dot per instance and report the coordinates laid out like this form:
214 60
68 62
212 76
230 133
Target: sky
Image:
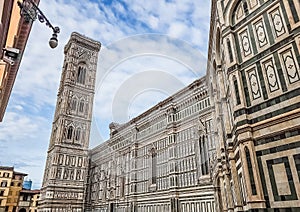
150 50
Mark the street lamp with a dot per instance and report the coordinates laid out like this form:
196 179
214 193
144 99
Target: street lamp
31 12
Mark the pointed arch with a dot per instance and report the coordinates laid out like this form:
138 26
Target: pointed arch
70 132
81 73
78 134
240 9
74 103
81 106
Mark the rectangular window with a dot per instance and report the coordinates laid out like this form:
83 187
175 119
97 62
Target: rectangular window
4 184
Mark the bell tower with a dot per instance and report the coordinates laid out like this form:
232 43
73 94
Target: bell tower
67 158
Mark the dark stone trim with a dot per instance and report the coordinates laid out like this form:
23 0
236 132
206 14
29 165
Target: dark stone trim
268 28
252 39
246 90
280 72
268 103
277 197
262 82
297 163
293 10
278 149
262 54
239 166
238 47
286 18
263 182
269 115
296 51
277 137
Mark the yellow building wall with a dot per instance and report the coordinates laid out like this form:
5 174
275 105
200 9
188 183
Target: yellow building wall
12 31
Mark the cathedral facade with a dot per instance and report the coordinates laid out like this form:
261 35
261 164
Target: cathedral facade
227 142
255 82
158 161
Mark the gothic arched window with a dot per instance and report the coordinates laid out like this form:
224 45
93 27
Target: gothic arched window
241 11
74 104
77 134
81 106
70 132
250 171
81 75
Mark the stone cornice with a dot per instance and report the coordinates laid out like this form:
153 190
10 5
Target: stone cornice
83 41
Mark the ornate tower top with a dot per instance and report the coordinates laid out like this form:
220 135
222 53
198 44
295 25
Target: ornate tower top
83 41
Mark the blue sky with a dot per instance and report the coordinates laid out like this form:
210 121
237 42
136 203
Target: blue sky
150 49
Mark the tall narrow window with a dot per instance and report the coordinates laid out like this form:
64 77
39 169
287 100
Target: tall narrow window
81 75
77 135
229 50
203 156
70 132
81 106
122 190
74 103
154 164
250 171
236 89
66 66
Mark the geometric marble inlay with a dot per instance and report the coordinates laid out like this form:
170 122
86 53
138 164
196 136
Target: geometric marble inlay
277 22
261 34
271 76
281 179
290 66
245 43
254 84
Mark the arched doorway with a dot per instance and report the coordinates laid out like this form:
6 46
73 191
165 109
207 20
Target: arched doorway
22 210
